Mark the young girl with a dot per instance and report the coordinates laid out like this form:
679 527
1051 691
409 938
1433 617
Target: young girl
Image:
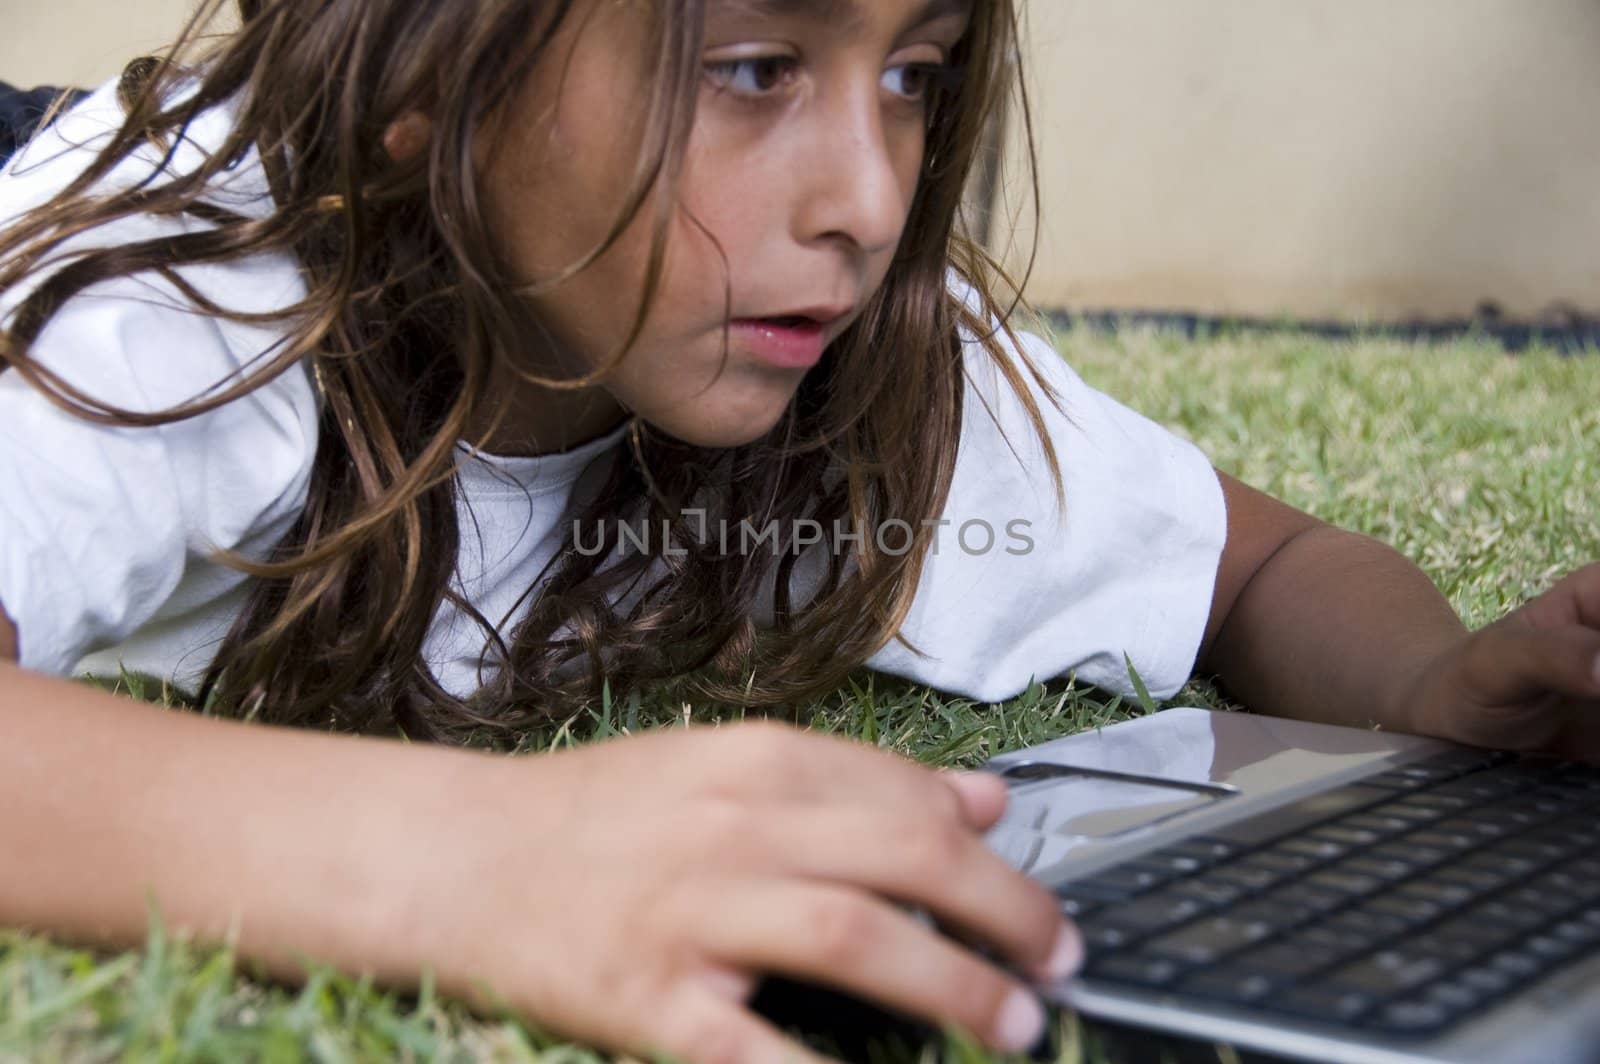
407 369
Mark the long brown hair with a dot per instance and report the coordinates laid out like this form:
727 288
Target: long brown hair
407 304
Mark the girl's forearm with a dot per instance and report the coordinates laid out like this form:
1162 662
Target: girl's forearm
281 837
1334 627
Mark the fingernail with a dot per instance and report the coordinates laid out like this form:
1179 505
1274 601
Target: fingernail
1066 957
982 787
974 776
1021 1023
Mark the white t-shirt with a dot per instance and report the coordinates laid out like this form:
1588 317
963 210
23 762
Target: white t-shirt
107 534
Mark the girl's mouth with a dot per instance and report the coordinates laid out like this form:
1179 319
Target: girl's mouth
788 341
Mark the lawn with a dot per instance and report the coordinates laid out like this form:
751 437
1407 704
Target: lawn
1479 465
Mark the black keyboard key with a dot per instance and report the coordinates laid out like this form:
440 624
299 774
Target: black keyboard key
1517 964
1567 841
1395 781
1106 937
1455 995
1433 770
1388 869
1499 913
1278 915
1352 884
1554 800
1446 895
1313 847
1351 837
1537 770
1484 830
1583 932
1471 935
1307 895
1449 841
1134 968
1470 760
1401 849
1208 941
1321 1003
1577 888
1445 803
1583 775
1483 786
1364 923
1213 892
1512 868
1569 799
1345 943
1551 850
1279 860
1206 851
1174 864
1147 915
1551 947
1488 981
1118 883
1075 908
1377 823
1478 880
1413 912
1386 973
1248 878
1229 984
1408 808
1509 821
1288 961
1452 952
1539 898
1583 833
1410 1017
1315 809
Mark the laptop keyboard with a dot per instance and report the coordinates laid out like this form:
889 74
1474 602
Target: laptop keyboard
1400 904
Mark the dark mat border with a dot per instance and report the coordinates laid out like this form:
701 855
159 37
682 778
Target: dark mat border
1565 330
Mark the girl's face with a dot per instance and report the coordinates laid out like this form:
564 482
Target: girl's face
806 151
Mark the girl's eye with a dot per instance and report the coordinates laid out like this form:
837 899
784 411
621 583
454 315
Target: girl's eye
754 76
914 81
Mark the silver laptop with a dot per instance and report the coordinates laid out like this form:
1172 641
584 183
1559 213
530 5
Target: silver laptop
1319 893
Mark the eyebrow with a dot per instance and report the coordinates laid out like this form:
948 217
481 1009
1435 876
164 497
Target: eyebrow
846 15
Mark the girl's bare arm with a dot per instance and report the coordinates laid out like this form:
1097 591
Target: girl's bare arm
111 803
1317 622
627 894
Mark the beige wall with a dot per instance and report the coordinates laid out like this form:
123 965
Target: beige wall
1327 158
82 42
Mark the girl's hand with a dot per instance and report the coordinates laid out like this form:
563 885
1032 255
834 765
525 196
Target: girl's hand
630 894
1530 681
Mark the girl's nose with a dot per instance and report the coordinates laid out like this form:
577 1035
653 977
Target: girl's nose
851 187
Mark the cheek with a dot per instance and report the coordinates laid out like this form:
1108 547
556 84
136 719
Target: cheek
564 151
551 200
721 223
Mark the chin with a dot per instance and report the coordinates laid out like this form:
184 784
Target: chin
729 430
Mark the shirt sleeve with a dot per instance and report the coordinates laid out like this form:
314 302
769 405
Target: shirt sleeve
105 528
99 525
1016 590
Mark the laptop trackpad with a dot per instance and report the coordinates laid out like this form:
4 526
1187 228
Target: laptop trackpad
1103 788
1073 802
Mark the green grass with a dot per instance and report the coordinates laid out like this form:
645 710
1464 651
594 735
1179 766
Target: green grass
1479 466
